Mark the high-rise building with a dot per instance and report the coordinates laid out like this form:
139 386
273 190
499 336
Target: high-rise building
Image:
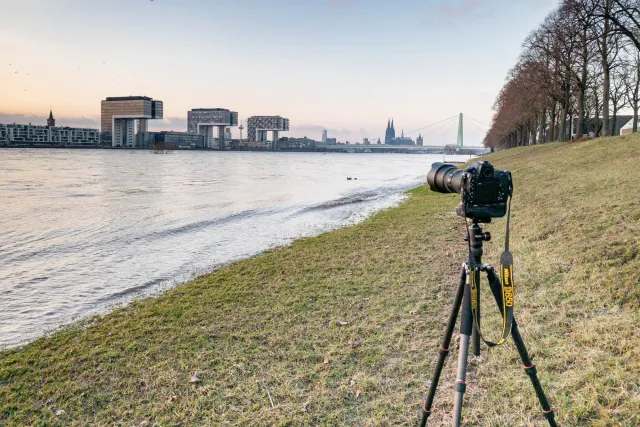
324 136
258 126
119 117
204 120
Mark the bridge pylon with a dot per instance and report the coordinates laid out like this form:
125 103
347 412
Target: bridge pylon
460 134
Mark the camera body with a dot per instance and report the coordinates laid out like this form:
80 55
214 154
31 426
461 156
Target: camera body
484 189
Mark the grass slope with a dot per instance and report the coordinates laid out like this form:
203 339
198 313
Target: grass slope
343 328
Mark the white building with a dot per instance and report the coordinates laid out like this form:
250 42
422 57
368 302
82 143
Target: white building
324 136
14 134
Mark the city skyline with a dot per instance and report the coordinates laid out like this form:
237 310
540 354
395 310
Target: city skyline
340 65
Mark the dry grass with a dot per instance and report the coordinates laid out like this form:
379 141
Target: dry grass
263 335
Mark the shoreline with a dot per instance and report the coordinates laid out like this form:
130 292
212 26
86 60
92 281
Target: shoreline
73 320
343 328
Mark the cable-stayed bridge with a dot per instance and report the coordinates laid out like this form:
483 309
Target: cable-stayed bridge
438 137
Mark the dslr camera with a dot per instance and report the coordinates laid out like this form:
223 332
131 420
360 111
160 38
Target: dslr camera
484 189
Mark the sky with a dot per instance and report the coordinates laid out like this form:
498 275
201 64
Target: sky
341 65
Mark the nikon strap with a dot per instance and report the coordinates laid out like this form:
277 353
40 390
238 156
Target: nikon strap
507 288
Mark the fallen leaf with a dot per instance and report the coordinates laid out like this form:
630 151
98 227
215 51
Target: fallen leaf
194 379
172 399
352 382
343 278
59 412
358 393
342 323
326 359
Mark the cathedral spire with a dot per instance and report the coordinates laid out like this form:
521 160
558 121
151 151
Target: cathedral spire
388 123
392 124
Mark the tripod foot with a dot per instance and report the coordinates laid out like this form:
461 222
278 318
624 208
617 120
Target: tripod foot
547 410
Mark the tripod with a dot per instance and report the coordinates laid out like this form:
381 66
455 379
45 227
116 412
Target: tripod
468 329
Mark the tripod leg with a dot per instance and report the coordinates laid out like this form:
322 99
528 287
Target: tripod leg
466 327
475 337
529 367
444 348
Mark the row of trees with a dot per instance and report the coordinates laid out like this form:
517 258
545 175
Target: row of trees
576 72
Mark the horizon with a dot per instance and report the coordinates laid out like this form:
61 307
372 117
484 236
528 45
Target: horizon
340 65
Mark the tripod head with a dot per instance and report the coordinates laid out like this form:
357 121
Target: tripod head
475 236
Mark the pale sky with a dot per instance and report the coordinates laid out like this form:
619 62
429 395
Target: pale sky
342 65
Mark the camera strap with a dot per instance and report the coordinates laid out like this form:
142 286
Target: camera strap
506 288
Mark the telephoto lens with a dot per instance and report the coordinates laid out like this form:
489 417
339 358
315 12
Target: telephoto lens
445 178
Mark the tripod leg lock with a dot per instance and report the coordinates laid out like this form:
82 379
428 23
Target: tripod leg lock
461 386
549 415
444 352
531 370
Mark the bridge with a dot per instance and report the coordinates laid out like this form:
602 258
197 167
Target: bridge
410 149
441 129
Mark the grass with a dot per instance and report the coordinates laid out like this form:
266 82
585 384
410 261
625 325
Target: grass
343 328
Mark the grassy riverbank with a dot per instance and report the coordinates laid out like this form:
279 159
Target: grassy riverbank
343 328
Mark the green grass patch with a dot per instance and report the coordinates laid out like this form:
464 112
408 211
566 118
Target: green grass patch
343 328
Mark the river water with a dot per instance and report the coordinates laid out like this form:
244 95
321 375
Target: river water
84 230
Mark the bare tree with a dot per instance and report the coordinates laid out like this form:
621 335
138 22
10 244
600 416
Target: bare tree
632 84
569 72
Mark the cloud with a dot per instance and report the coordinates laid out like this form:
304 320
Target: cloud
338 3
464 7
90 122
451 13
178 124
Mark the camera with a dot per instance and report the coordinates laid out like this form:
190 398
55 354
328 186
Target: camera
484 189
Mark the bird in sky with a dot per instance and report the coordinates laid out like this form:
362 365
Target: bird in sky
15 72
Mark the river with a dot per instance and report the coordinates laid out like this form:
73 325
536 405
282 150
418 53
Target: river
82 231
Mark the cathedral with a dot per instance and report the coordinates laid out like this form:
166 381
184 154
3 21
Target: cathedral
390 136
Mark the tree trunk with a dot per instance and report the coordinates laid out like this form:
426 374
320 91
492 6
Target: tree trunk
614 121
563 121
543 116
635 99
606 78
570 136
595 121
552 123
582 86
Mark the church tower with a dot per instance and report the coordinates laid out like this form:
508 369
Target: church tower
51 121
390 134
419 141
